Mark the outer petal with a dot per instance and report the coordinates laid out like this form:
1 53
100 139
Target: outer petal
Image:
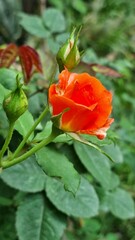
101 132
89 104
79 117
70 118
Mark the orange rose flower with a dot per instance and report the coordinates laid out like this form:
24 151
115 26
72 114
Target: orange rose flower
88 101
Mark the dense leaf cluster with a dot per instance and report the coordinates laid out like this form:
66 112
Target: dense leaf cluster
99 203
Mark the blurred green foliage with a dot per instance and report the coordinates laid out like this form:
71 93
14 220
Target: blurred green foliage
108 38
10 30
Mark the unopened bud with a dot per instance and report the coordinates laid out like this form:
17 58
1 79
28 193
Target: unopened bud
68 55
15 103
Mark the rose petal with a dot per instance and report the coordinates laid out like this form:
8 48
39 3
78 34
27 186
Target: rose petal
88 101
101 132
79 117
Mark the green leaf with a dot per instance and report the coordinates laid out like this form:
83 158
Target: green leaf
80 6
57 165
61 38
54 20
80 139
6 194
24 123
121 204
84 204
38 220
38 99
4 124
33 25
114 181
63 138
53 45
10 28
26 176
7 228
95 162
5 201
8 78
115 153
45 132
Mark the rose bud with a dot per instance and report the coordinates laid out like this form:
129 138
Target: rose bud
68 55
15 104
87 101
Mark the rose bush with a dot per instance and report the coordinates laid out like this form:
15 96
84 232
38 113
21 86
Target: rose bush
87 101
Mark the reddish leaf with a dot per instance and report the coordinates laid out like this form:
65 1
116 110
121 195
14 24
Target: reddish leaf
26 63
35 58
8 55
94 68
30 61
107 71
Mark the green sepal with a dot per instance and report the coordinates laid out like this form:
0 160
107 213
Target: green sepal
57 118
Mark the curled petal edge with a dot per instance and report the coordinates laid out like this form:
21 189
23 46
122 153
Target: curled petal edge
101 132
